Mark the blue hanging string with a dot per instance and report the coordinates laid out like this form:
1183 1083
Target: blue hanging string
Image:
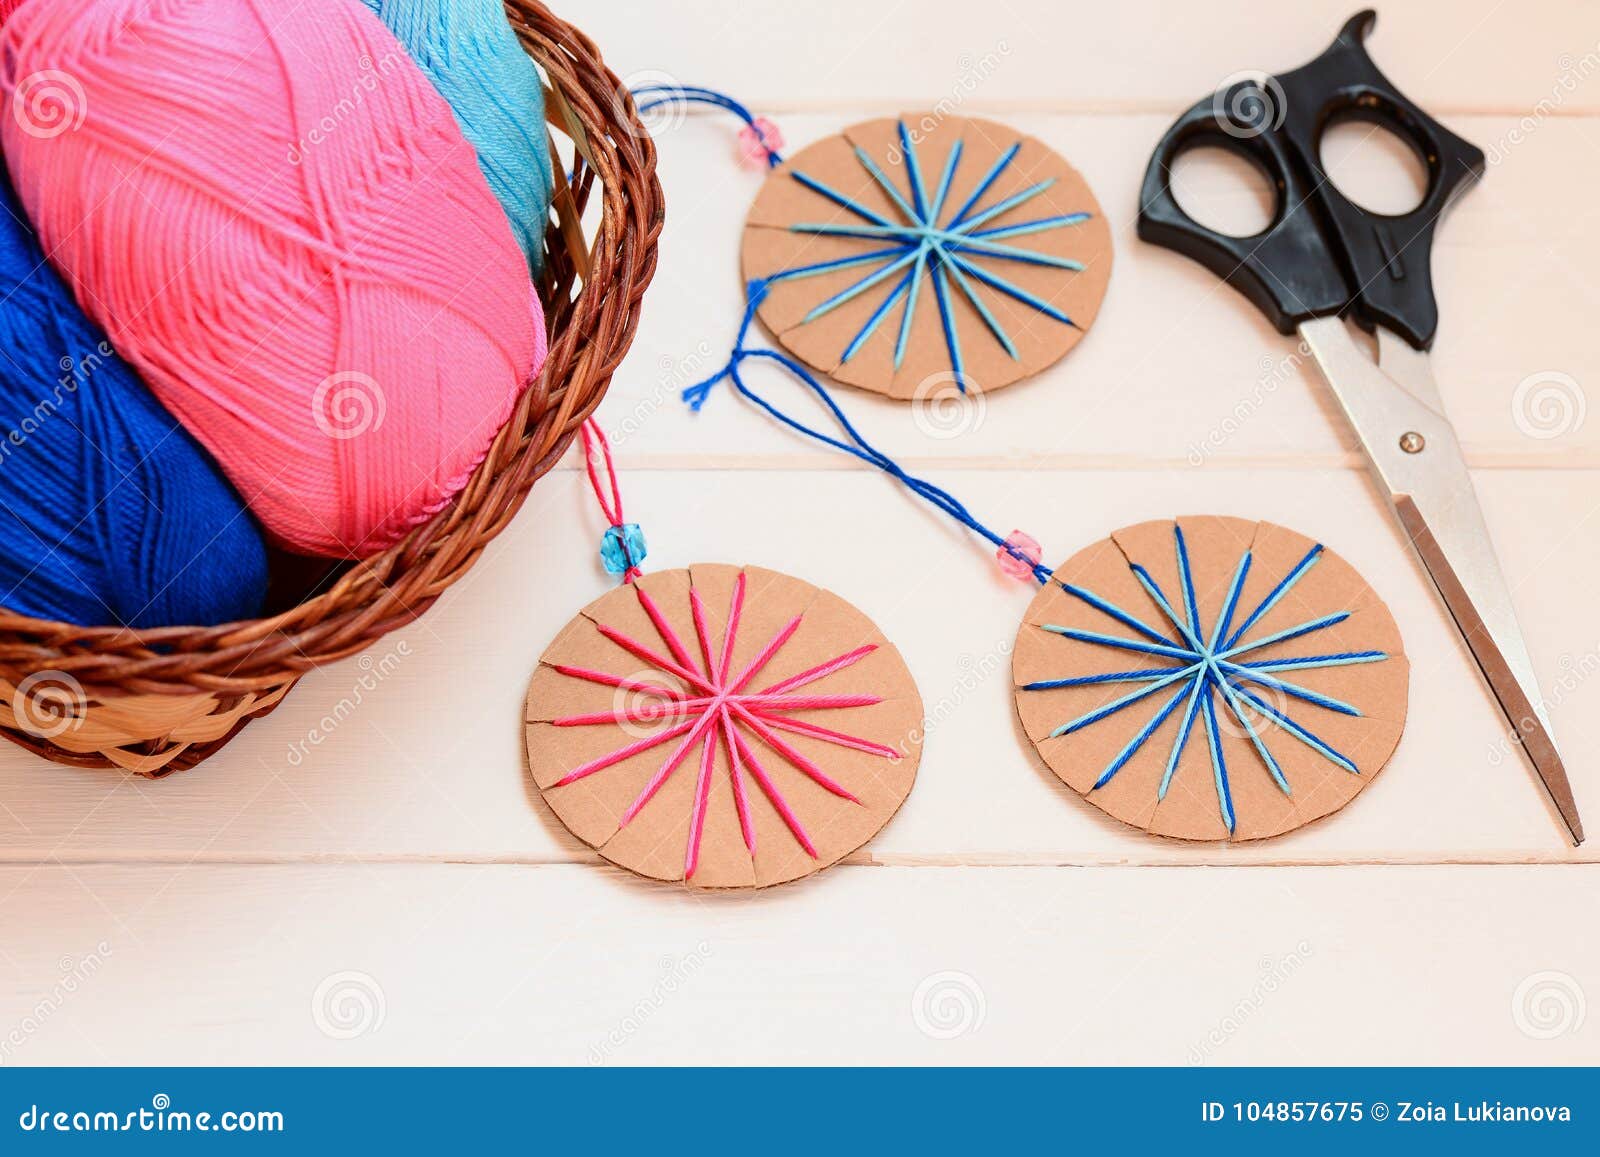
654 96
1203 665
857 446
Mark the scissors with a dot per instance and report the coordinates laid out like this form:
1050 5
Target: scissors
1324 259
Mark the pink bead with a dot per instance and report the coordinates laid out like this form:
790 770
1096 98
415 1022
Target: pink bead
758 141
1024 544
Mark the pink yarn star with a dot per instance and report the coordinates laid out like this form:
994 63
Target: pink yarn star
720 708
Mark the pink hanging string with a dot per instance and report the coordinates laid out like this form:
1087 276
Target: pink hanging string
603 481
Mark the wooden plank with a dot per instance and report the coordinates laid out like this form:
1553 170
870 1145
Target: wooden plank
1179 370
425 965
1476 55
415 750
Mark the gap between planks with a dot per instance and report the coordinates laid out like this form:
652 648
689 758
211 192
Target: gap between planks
711 461
1098 108
903 860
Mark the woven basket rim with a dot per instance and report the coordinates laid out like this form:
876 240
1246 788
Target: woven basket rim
591 296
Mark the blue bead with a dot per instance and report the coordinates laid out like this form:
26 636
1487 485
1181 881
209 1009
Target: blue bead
623 548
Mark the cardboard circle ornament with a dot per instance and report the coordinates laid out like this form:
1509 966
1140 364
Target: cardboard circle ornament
927 254
729 727
1211 678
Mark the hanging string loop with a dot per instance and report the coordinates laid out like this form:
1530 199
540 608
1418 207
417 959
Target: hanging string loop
623 549
759 133
854 442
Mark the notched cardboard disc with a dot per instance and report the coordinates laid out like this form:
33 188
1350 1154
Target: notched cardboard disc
836 230
1211 678
813 721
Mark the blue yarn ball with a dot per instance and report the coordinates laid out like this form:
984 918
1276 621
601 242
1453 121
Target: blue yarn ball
110 513
469 52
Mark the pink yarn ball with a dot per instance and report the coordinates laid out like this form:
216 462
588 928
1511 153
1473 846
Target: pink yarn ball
272 213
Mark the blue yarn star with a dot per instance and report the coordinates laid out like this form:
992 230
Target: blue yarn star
919 247
1206 667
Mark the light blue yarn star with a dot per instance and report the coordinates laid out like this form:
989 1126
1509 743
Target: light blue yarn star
1206 667
919 248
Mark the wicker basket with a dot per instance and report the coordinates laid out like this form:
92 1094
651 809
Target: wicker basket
159 701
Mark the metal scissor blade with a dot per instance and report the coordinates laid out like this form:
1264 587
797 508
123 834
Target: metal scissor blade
1414 451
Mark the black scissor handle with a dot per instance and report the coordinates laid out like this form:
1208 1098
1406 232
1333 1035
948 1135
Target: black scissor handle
1287 270
1323 254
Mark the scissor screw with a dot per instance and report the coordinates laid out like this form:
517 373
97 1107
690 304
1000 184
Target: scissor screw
1412 443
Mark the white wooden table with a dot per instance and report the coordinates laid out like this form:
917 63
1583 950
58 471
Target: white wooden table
396 892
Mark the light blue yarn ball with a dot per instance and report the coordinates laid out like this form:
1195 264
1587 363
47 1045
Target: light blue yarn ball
468 50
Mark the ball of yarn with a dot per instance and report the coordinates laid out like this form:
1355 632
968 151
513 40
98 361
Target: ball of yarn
110 514
277 220
468 50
